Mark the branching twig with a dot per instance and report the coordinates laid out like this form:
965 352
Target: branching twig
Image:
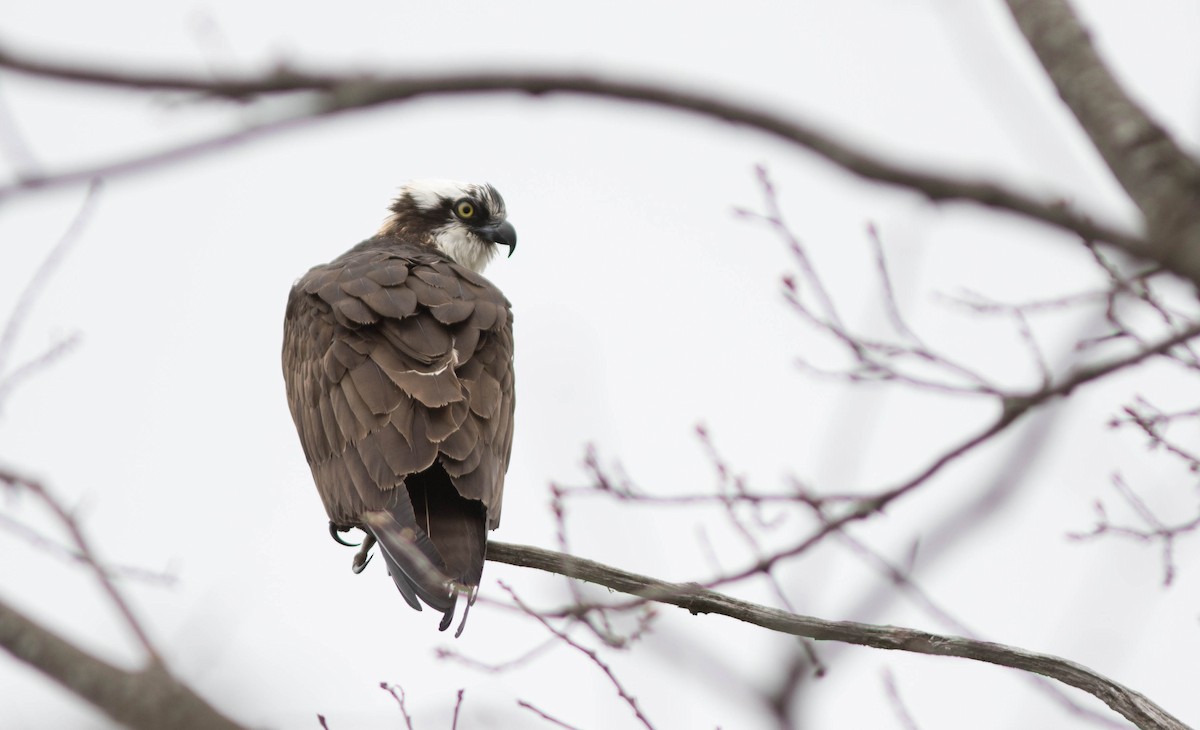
873 359
1153 422
34 287
589 653
37 282
1015 407
397 693
1156 529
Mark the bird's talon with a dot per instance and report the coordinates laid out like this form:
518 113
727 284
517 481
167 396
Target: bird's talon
333 532
358 566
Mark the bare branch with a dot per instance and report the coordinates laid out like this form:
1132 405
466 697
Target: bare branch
87 555
334 94
589 653
457 706
1152 168
149 699
35 286
497 667
899 577
898 708
1153 422
1133 706
874 360
1088 373
1156 529
891 305
397 693
544 716
31 367
1015 407
53 547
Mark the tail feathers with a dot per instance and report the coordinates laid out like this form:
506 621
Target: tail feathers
433 540
402 583
413 561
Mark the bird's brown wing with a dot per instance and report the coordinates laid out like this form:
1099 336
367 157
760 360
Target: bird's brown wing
398 363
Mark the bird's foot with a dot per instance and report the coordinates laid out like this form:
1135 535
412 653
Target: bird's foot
363 556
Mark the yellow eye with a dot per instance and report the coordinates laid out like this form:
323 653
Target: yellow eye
464 209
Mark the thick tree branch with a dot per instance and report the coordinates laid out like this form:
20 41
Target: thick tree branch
1132 705
86 554
336 94
1162 179
150 698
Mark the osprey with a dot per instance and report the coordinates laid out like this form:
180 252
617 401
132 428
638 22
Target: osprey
397 357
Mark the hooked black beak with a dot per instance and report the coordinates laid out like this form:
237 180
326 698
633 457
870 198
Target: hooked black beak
502 234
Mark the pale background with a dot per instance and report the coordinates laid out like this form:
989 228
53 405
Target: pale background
643 306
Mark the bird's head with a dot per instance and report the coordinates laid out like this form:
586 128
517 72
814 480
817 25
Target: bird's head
462 220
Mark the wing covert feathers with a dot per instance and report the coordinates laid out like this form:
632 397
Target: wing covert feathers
398 366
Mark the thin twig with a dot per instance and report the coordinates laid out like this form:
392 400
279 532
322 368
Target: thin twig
893 695
589 653
891 304
457 706
498 667
1149 418
50 263
545 716
52 547
397 693
1157 530
18 375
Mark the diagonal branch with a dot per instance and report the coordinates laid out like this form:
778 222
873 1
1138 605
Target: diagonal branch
37 283
1159 176
1132 705
151 698
87 555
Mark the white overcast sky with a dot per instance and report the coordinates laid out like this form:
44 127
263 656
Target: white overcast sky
643 306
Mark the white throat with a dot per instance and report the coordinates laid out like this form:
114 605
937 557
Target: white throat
464 247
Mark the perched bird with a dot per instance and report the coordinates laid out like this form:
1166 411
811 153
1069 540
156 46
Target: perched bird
397 357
